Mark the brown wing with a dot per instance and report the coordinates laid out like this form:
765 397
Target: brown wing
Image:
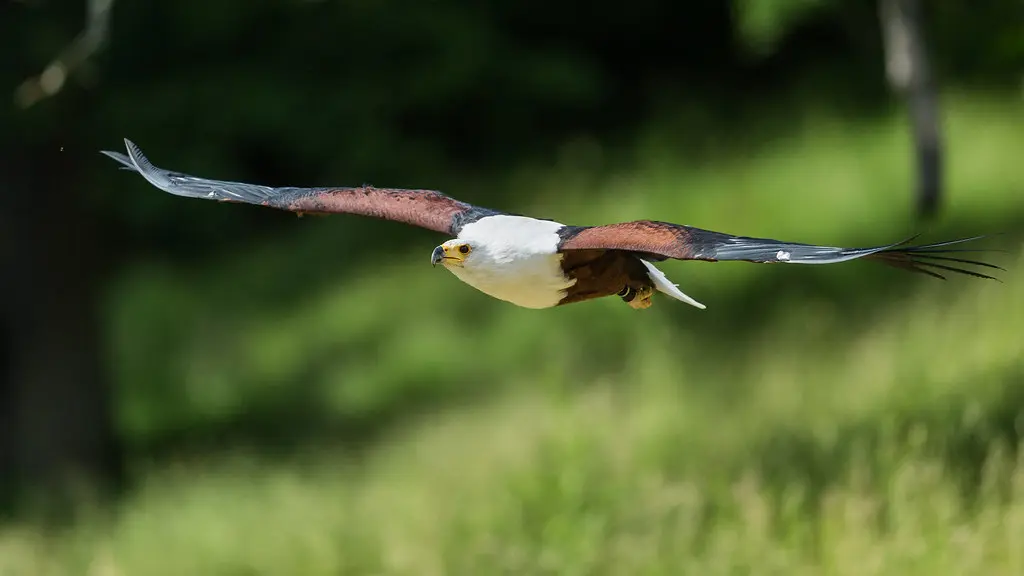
425 208
660 240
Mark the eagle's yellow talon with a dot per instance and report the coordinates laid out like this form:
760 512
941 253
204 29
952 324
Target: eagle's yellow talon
642 299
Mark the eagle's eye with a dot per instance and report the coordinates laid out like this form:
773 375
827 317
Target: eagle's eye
464 249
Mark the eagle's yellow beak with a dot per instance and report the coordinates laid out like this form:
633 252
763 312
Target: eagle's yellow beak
449 254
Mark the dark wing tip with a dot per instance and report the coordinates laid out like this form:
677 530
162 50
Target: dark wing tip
137 161
927 258
121 158
186 185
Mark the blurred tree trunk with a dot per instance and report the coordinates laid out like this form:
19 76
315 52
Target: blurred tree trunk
909 73
7 279
55 421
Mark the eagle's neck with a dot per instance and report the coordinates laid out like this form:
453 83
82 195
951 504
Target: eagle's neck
516 259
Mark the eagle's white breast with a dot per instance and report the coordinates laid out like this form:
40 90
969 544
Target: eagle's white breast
516 259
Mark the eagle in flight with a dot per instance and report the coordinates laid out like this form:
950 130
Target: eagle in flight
536 263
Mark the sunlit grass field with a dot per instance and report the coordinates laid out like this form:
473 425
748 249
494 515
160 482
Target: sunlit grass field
838 420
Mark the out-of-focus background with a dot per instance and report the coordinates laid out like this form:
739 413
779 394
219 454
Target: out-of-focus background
198 388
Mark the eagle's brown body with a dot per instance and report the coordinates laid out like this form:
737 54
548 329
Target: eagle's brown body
600 273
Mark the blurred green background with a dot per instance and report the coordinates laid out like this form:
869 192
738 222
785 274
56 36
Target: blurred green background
197 388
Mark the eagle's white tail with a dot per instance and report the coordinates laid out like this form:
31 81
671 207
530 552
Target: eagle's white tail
665 286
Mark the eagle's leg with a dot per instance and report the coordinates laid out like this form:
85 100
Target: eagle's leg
637 298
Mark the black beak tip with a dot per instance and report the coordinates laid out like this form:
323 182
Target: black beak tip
436 256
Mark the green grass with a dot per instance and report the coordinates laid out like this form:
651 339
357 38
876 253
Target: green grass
839 420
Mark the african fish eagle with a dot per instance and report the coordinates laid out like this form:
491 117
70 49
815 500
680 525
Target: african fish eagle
536 263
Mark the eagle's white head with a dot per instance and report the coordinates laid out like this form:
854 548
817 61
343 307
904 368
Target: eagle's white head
511 258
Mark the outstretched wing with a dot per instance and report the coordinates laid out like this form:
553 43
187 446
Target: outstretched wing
425 208
661 240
